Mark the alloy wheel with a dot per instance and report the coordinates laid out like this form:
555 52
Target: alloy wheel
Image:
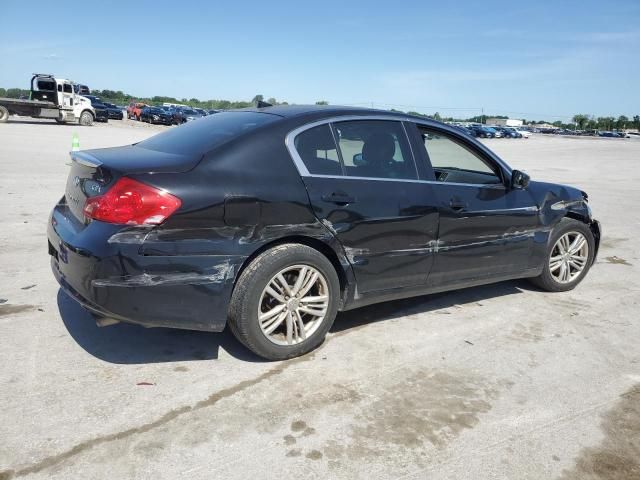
293 305
569 257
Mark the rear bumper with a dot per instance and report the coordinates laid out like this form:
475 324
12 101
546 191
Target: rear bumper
113 280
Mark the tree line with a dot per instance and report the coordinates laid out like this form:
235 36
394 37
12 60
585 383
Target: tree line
579 121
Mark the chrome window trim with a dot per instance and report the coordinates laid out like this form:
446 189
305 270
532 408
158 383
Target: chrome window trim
304 172
496 186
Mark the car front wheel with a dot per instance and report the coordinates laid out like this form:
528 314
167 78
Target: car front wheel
569 256
285 302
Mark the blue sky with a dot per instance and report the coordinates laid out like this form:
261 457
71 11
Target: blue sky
532 59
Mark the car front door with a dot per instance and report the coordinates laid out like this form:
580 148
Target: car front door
363 185
487 228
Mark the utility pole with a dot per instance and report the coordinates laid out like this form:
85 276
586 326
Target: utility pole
482 115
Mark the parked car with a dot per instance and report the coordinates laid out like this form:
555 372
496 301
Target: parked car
211 112
523 131
201 111
134 110
102 113
465 130
274 219
114 111
183 115
482 131
507 132
156 115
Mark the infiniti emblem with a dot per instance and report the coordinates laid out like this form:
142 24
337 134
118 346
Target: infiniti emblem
76 181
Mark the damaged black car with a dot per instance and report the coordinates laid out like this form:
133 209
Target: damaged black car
273 219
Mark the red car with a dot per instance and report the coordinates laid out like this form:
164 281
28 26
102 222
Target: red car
134 110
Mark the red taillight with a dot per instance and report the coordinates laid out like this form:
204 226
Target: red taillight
130 202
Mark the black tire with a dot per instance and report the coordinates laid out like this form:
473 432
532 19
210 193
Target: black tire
245 300
4 114
86 118
60 122
546 280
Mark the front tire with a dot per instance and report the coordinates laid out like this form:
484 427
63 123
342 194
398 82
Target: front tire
569 256
285 302
86 118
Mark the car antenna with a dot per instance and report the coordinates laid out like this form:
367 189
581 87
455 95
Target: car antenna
261 104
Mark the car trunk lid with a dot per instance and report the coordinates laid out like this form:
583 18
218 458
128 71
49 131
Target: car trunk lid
93 172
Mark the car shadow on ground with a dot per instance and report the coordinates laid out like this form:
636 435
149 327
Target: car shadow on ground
45 121
133 344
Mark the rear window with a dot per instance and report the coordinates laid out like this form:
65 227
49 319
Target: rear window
207 133
48 85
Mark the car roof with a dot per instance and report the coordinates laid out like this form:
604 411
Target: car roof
291 111
318 112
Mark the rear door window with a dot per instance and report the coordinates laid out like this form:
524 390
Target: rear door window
375 149
318 151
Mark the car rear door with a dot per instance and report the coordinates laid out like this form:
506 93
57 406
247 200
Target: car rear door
486 227
363 185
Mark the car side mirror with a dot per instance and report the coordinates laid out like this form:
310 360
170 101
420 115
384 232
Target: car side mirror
358 160
519 180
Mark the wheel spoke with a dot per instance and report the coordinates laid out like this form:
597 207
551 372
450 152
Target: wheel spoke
563 270
283 283
274 324
313 311
289 328
314 299
274 294
301 330
555 265
577 244
302 275
567 272
310 282
274 311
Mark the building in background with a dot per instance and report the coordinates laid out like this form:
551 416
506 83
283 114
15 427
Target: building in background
504 122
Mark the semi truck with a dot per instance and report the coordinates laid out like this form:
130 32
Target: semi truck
52 98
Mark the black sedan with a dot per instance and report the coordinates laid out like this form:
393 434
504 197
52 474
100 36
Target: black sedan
102 113
507 132
115 112
184 115
482 131
274 219
156 115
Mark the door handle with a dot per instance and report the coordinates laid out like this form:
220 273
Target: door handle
339 198
457 205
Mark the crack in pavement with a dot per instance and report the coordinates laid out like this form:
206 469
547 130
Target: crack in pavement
166 418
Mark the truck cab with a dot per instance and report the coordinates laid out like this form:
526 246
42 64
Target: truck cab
52 98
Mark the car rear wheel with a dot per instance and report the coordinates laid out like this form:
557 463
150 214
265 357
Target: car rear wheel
285 302
569 256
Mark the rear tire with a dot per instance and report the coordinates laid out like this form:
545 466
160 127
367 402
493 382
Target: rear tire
4 114
558 261
292 331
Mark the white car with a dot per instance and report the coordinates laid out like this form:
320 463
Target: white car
523 132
